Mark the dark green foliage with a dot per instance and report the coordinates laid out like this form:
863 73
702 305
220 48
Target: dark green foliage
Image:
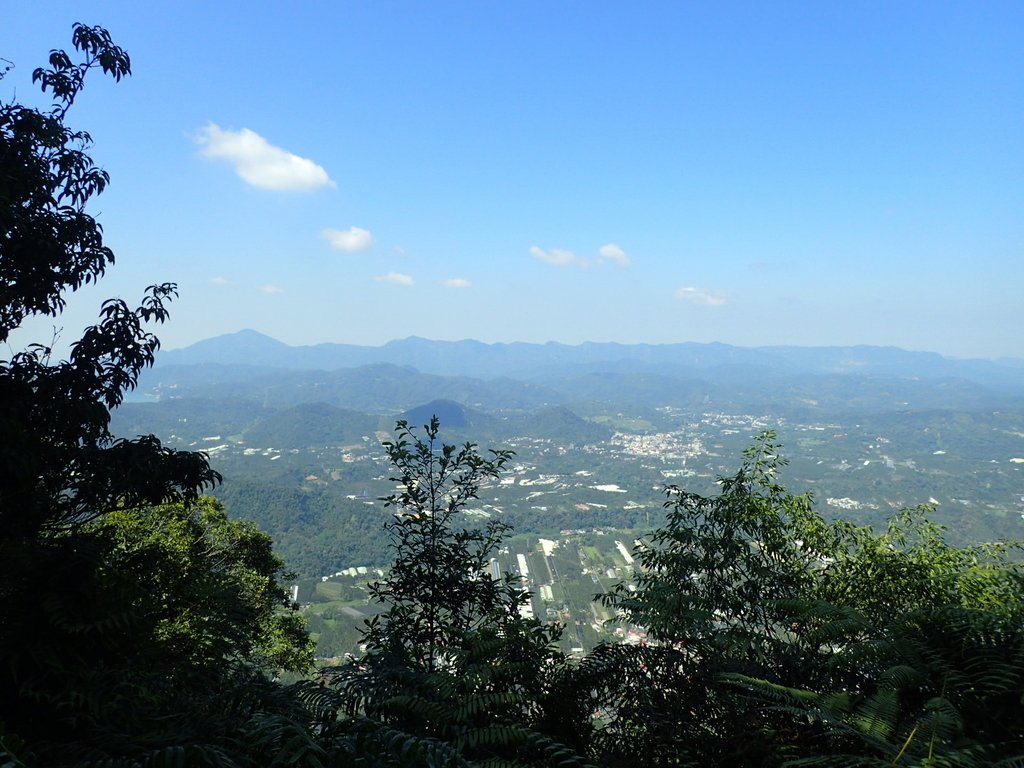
720 565
49 244
452 670
717 595
128 636
911 565
938 686
59 465
438 589
208 588
782 640
149 630
319 528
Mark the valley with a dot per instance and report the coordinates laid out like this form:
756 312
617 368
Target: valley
589 472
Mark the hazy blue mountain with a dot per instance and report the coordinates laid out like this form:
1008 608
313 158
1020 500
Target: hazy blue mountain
243 348
899 363
541 361
254 372
467 357
378 388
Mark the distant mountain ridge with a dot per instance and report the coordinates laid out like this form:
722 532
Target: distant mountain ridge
523 360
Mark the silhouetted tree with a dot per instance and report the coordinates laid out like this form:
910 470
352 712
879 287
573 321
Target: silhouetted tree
128 636
453 673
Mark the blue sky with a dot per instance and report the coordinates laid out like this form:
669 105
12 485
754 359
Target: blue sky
750 173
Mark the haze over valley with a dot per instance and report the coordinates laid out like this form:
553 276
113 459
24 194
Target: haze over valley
599 430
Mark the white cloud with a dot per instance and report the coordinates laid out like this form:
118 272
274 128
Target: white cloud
561 258
394 277
558 258
614 252
349 240
219 280
456 282
700 297
270 288
259 162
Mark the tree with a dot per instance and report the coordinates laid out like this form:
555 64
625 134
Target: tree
439 588
933 686
59 465
930 669
160 630
780 639
104 655
718 592
453 672
49 243
206 589
910 566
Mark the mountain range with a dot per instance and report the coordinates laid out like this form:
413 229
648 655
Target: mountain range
876 425
525 361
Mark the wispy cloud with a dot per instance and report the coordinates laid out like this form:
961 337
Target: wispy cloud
259 163
558 257
394 277
614 252
456 282
219 280
349 240
270 288
699 297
